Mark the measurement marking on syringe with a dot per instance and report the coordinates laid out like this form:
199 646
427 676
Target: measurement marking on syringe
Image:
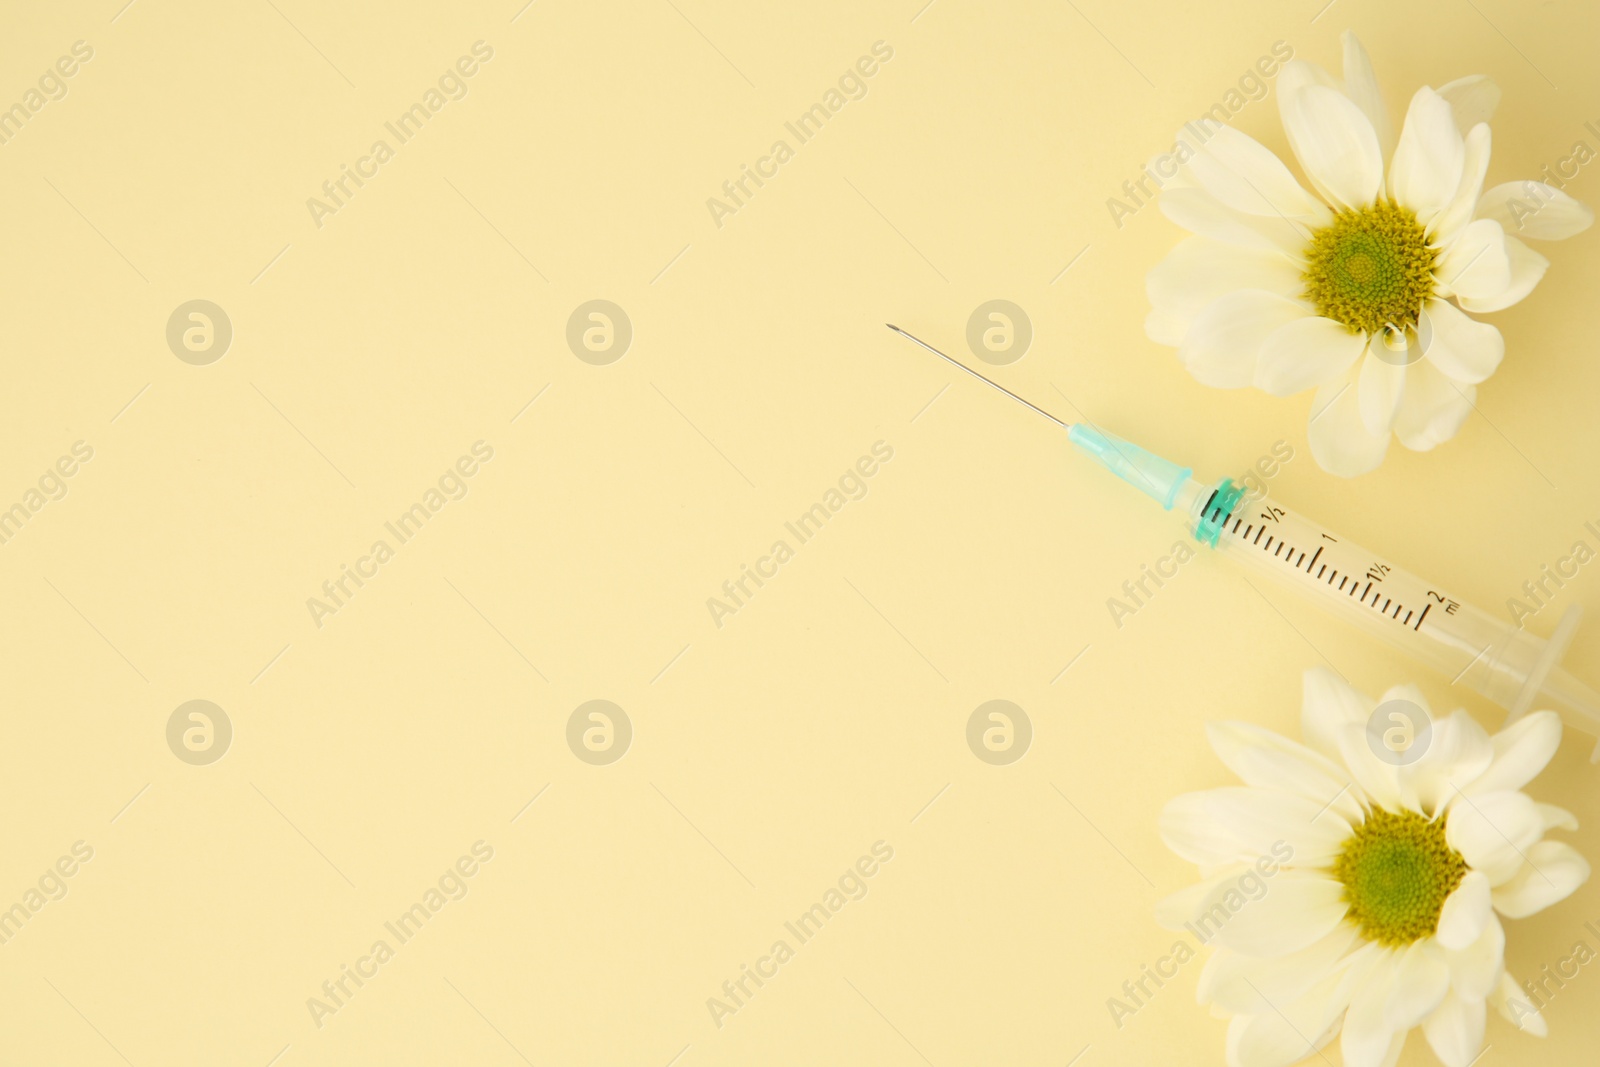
1367 590
1424 615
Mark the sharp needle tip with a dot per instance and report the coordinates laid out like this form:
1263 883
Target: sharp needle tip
989 382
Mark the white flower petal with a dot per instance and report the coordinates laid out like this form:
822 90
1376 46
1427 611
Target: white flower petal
1421 981
1293 77
1328 703
1156 165
1246 176
1174 910
1199 212
1299 73
1361 85
1536 210
1455 1030
1297 909
1406 777
1200 270
1378 777
1521 751
1221 345
1166 327
1473 99
1301 1027
1243 824
1493 832
1433 408
1428 161
1477 266
1304 353
1262 758
1465 914
1334 142
1462 347
1555 818
1448 224
1458 752
1381 387
1340 441
1241 984
1512 1003
1277 1040
1527 267
1474 970
1188 828
1554 869
1365 1036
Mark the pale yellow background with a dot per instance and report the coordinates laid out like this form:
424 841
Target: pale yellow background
770 753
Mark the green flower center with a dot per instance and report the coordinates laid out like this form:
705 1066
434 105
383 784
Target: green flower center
1370 268
1397 870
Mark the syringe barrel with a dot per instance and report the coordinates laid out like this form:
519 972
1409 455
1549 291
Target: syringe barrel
1467 645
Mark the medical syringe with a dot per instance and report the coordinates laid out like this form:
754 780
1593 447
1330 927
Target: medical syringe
1493 656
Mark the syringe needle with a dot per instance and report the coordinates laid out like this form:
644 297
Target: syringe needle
981 378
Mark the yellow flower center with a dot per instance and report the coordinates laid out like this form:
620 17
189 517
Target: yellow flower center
1370 268
1397 870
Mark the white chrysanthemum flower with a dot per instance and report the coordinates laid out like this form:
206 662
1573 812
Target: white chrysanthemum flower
1363 289
1384 915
